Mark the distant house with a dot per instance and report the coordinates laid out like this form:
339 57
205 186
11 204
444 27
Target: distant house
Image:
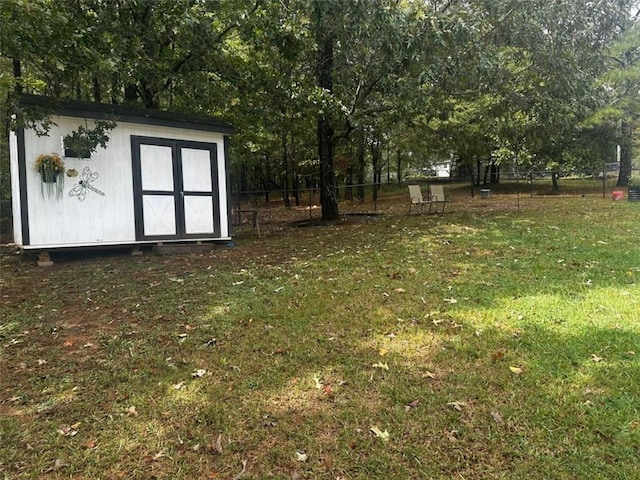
162 177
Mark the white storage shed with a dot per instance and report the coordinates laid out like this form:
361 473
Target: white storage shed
162 177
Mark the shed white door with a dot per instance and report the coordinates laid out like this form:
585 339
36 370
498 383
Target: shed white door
176 189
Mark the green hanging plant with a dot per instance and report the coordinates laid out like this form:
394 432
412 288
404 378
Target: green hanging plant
82 142
51 170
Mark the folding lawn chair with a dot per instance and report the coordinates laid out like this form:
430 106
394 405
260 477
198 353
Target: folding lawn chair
436 195
416 197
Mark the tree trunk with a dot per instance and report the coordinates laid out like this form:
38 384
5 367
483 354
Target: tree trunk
296 186
243 186
377 167
554 182
17 75
361 166
130 93
266 179
97 93
625 154
495 174
328 193
285 165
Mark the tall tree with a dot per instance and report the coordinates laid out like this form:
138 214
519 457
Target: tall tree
621 84
325 13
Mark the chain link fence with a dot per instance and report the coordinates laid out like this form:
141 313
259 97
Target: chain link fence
368 200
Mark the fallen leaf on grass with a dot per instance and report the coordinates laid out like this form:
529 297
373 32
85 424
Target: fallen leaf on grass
244 469
318 383
178 386
456 405
411 405
328 390
301 456
497 417
496 357
132 412
450 300
217 445
90 444
381 365
57 465
400 290
516 370
384 436
596 358
452 435
430 375
70 431
383 351
199 373
159 455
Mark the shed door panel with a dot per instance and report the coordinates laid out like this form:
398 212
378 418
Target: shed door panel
198 215
176 189
156 168
198 191
159 215
196 170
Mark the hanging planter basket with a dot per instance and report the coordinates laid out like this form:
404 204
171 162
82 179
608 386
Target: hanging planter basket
48 176
51 170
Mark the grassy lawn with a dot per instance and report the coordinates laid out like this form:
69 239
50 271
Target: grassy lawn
488 342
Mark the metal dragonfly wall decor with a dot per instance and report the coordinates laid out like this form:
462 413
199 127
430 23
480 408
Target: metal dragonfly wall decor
84 184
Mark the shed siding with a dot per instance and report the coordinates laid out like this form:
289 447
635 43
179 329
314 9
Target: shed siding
97 219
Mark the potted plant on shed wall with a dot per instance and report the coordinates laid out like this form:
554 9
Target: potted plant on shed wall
634 187
82 142
51 170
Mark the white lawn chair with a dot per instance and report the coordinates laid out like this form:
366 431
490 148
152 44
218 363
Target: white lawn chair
436 195
416 197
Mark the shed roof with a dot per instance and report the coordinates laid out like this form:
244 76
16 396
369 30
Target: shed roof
104 111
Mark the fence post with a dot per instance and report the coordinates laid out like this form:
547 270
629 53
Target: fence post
531 177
